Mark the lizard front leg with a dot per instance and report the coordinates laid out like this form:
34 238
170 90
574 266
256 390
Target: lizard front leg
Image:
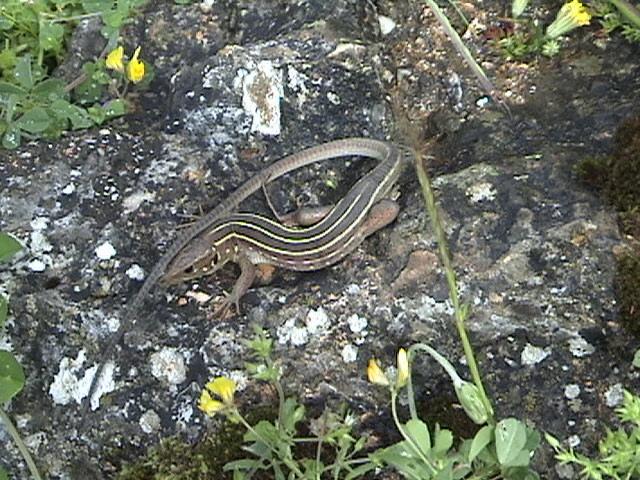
245 280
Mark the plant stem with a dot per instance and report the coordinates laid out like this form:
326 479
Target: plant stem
460 311
416 449
13 432
464 51
276 451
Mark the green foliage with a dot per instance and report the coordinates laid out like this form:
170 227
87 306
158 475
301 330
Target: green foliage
34 36
8 246
274 444
618 15
619 449
11 376
497 450
527 37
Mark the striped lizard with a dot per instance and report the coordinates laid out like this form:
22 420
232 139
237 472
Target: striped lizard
250 240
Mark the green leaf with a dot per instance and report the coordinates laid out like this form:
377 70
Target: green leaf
35 120
8 59
22 73
11 138
511 436
77 115
3 474
553 441
418 432
49 90
51 35
360 471
8 246
401 457
98 6
443 439
244 464
636 359
3 309
11 376
114 19
520 460
480 441
117 108
7 88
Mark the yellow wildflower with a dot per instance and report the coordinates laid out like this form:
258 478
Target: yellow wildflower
224 388
135 68
375 374
571 15
114 59
208 405
403 368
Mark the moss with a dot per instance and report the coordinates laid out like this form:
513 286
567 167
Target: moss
623 186
624 192
175 459
594 172
618 177
628 290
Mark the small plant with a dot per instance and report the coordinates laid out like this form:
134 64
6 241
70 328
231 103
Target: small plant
618 15
33 104
274 444
528 37
619 449
11 374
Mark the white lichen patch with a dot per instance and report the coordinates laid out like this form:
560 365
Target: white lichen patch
614 395
580 347
135 272
38 242
349 353
430 309
387 25
572 391
289 332
480 192
298 83
68 386
69 189
37 266
531 354
149 422
261 93
105 251
132 202
356 323
168 366
317 321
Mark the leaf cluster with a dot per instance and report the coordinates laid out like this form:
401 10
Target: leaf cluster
11 374
618 15
34 35
619 449
497 451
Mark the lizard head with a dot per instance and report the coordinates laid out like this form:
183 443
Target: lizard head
197 259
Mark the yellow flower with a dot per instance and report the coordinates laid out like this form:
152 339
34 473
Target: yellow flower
208 405
571 15
114 59
375 374
135 68
403 368
224 388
